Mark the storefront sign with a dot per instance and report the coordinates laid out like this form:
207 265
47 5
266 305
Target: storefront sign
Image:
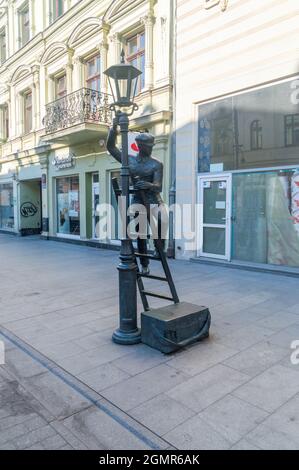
64 161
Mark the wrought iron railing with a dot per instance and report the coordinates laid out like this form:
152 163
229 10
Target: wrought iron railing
81 106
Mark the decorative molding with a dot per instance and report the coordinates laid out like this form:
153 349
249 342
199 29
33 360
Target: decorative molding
148 20
23 71
119 8
54 51
88 27
3 7
212 3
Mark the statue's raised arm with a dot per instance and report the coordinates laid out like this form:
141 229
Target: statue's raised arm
111 142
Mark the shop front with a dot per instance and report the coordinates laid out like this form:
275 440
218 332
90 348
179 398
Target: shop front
248 177
68 206
77 182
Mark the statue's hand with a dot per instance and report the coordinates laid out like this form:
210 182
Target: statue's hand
143 185
115 123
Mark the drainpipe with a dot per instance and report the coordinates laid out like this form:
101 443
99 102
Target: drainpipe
172 190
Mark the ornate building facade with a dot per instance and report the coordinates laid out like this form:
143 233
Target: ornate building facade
54 106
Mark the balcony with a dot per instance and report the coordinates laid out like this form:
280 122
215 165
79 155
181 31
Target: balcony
82 116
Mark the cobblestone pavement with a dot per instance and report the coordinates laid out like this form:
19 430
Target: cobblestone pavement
65 385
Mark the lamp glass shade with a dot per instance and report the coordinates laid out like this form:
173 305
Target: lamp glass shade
123 79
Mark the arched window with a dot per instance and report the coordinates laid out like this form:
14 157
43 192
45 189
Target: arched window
256 135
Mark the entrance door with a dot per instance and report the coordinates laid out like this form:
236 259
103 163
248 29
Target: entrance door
215 216
95 203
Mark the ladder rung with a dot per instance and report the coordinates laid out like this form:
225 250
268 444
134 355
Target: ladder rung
159 296
141 255
151 276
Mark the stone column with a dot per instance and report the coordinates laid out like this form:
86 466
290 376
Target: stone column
32 18
19 115
2 132
11 30
69 72
45 199
116 41
42 93
36 98
12 111
78 78
148 21
103 47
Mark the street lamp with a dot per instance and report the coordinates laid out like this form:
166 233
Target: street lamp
123 79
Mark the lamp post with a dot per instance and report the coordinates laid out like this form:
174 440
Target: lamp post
123 80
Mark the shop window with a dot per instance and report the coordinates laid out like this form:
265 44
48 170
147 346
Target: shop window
27 112
291 123
68 206
24 24
229 134
60 86
256 135
6 206
93 73
3 46
57 7
266 217
136 56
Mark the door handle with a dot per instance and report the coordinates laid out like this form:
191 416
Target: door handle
233 218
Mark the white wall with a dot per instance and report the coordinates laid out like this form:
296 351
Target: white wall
219 52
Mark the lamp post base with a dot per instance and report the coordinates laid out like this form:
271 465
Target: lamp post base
123 337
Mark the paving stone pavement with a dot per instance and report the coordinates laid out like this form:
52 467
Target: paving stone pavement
65 385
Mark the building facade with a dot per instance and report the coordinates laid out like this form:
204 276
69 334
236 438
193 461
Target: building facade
237 130
54 106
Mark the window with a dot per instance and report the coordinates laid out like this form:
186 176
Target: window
266 212
27 112
24 25
2 46
254 129
291 123
5 122
60 86
136 56
93 73
68 205
256 135
57 9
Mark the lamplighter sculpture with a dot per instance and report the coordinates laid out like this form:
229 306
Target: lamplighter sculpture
123 80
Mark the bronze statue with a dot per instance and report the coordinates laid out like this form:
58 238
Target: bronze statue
147 179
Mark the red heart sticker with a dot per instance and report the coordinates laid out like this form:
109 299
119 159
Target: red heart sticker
134 147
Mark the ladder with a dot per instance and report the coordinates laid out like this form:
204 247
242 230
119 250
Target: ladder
167 278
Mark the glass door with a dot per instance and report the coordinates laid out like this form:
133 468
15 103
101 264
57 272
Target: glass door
215 216
95 204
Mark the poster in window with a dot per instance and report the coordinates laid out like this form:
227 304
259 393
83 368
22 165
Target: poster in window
74 204
63 213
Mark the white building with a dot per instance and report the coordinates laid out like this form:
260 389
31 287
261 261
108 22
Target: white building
237 129
54 105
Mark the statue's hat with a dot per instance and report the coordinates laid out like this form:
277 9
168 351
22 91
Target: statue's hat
146 139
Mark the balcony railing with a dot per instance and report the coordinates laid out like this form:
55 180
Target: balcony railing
81 106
